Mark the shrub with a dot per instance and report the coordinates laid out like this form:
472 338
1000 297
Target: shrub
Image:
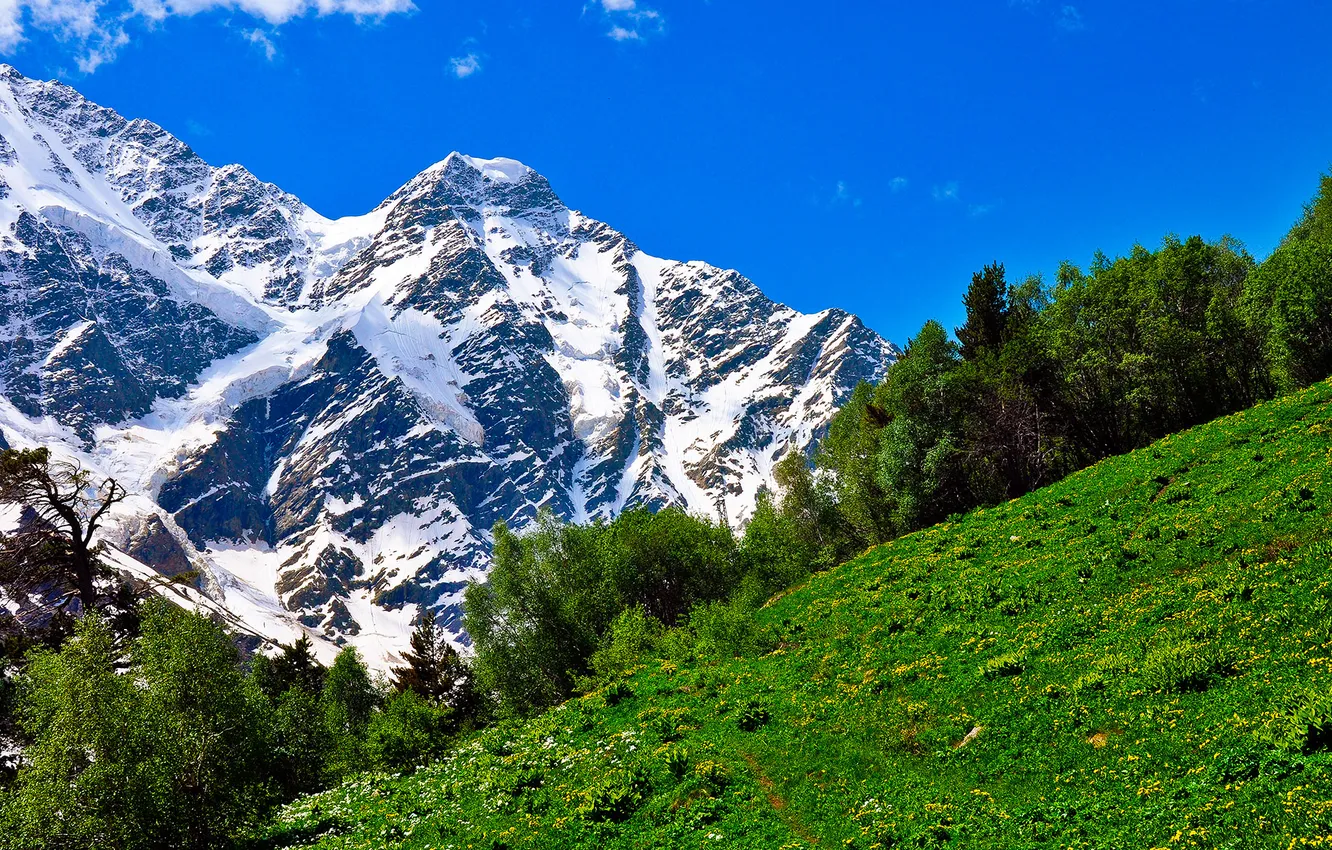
616 797
753 715
729 628
676 760
1183 667
1303 726
616 693
407 732
1008 664
626 644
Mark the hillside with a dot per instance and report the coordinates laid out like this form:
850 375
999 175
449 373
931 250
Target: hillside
1137 656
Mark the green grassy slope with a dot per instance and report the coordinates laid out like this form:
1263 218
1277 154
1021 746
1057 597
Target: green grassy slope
1138 656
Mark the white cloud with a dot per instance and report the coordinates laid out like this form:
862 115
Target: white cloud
260 39
946 192
629 22
465 66
97 29
898 184
274 11
843 195
11 25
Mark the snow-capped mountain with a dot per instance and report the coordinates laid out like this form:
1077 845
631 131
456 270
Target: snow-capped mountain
326 417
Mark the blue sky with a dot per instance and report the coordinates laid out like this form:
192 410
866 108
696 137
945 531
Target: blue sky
867 155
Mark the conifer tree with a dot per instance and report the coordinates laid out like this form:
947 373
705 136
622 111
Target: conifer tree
987 312
436 671
295 667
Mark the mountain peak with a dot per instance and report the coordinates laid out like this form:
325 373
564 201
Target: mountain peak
498 170
327 416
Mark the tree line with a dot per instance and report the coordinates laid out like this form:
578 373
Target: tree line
1044 380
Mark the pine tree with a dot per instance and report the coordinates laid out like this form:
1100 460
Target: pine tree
987 312
436 671
295 667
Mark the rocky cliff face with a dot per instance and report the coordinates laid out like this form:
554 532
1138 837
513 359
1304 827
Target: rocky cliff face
327 417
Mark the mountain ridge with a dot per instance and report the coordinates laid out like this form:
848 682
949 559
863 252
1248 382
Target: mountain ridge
326 416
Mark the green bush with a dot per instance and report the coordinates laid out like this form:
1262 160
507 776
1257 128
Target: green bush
616 796
676 760
407 732
1008 664
1303 726
730 628
1182 667
754 715
626 644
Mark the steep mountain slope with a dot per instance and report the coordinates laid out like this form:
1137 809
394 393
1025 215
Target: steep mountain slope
327 417
1137 656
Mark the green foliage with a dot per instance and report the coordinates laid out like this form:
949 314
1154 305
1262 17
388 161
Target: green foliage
1289 298
299 744
919 457
409 731
347 704
554 593
294 667
987 313
1045 381
167 754
676 760
437 672
1159 671
754 715
1008 664
626 643
729 628
615 797
1304 725
1179 667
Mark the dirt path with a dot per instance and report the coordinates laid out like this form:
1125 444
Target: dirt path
779 803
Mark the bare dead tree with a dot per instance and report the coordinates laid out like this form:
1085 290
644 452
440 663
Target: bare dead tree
62 511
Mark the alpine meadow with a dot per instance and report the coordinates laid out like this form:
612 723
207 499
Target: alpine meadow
452 517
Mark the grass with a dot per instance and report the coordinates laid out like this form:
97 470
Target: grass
1138 656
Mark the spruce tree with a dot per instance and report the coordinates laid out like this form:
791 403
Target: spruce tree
436 671
295 667
987 312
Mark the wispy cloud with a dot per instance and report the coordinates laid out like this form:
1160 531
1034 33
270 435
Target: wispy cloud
95 30
1070 19
842 195
947 192
260 39
1066 16
627 21
978 210
898 184
465 66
